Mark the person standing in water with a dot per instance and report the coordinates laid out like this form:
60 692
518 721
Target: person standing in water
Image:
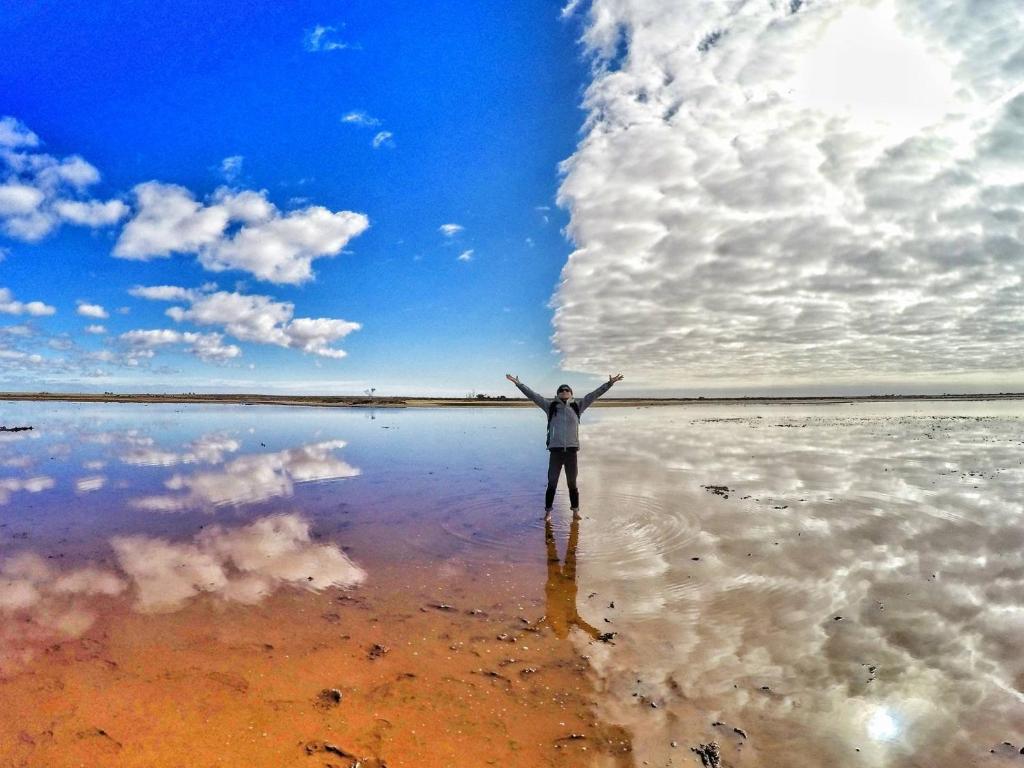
563 434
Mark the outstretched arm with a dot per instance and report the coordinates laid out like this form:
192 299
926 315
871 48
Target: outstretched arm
541 402
588 400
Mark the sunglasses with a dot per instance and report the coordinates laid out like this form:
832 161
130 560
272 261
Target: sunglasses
564 390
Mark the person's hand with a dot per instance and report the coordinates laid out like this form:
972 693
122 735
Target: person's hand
616 377
513 379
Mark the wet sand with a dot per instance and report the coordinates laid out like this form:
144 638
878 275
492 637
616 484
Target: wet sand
421 682
802 586
143 628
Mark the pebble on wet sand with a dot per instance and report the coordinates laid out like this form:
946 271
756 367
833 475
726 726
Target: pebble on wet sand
328 698
376 651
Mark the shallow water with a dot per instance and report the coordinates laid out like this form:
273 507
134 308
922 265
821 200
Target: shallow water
805 585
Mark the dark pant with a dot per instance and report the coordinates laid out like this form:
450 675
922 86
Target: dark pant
557 459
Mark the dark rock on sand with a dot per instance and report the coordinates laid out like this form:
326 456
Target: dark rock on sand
709 755
328 698
572 737
718 490
99 732
326 747
376 651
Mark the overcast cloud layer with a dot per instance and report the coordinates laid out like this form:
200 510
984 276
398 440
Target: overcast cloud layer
797 192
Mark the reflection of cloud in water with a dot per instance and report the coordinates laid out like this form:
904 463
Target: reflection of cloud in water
90 484
207 449
9 485
240 564
250 479
39 602
909 529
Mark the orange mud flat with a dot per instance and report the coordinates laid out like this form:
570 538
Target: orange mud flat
389 674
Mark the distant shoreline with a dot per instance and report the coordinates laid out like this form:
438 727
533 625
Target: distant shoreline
354 401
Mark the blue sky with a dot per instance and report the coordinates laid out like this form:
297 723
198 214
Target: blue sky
816 196
472 105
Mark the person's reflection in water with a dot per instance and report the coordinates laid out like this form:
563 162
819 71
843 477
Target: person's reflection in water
560 590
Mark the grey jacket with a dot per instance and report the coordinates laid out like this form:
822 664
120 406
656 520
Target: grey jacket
563 429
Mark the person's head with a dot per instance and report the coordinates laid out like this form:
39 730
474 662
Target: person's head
564 392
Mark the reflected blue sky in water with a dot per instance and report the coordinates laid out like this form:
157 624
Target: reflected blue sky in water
107 465
856 586
161 504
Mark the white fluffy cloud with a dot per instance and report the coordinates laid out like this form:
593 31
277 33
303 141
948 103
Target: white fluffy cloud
383 139
257 319
85 309
39 191
235 230
162 292
360 118
797 192
321 38
9 306
231 167
23 358
206 346
15 134
91 213
466 255
450 230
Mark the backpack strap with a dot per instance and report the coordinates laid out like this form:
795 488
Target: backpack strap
554 407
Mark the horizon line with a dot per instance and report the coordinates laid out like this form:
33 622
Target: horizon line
312 400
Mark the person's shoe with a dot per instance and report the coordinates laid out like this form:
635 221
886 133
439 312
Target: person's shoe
575 512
